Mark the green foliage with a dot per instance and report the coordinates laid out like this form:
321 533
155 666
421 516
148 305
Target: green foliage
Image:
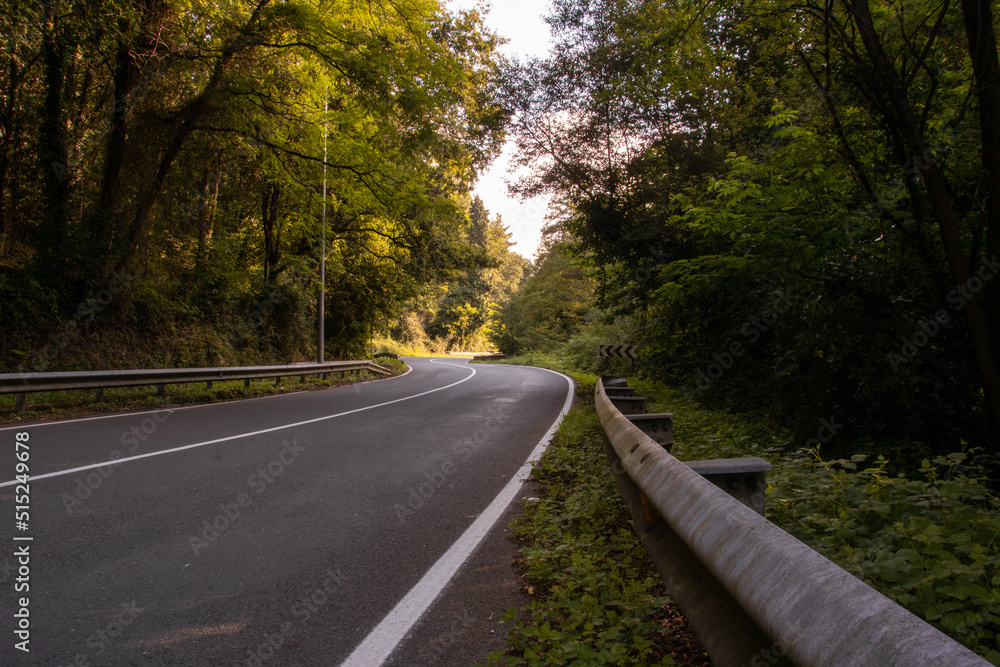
596 593
930 541
466 314
708 158
397 366
183 146
24 303
382 343
926 535
551 306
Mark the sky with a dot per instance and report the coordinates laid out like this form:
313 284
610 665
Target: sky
521 22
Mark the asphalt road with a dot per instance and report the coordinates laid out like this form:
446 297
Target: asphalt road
274 531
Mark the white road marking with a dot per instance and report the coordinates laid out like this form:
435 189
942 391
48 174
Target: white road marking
34 425
238 436
387 635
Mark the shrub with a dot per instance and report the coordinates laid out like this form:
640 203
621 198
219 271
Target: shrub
930 542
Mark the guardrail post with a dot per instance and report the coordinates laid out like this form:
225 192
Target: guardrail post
629 405
19 402
743 479
302 379
644 515
659 427
99 395
208 385
161 390
246 383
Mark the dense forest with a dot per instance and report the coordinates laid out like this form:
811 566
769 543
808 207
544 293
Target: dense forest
168 171
793 208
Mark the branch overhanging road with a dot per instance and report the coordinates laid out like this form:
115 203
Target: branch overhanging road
303 529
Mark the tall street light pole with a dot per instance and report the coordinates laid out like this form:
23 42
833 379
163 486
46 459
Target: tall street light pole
322 246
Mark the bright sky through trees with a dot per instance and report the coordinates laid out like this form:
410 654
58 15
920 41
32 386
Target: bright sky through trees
522 23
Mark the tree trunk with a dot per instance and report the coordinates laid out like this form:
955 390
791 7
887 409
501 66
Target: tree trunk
269 218
125 76
51 241
126 246
941 203
8 130
206 215
105 224
978 17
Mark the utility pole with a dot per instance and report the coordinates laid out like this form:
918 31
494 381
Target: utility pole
322 244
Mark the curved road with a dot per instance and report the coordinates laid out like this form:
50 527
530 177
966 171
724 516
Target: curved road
300 529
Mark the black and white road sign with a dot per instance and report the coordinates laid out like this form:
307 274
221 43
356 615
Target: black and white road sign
620 351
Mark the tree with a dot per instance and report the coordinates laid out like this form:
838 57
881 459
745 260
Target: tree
551 306
466 313
182 145
716 155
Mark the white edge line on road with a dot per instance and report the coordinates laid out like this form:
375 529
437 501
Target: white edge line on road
118 415
238 436
388 634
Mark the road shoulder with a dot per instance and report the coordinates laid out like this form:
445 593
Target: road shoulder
462 627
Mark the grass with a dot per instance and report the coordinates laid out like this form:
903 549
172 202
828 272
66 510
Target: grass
76 403
597 600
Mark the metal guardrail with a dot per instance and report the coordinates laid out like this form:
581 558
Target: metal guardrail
23 383
754 594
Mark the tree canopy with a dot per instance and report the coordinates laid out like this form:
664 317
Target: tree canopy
774 199
178 148
788 199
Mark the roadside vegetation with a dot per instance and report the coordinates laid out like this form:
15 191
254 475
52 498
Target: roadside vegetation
791 209
928 538
163 169
597 600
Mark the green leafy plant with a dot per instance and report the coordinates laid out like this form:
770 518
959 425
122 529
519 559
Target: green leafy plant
597 598
931 542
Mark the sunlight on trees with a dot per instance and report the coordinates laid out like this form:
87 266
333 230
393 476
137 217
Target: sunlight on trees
179 144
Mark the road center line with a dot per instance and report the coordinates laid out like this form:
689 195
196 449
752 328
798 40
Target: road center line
388 634
240 435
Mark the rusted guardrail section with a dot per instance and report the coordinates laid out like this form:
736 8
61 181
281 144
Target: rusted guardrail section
22 383
754 594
